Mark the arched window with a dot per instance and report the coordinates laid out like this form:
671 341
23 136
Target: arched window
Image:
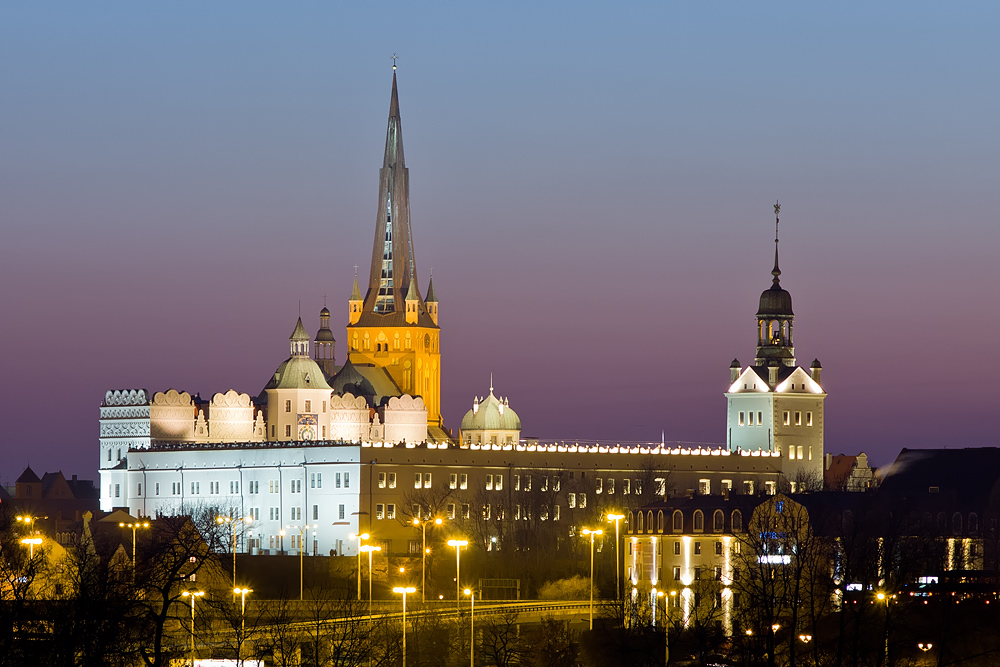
630 522
699 521
649 521
718 521
659 521
638 527
678 520
973 523
956 523
737 521
942 523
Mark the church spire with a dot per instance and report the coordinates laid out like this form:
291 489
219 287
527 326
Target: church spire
776 272
393 267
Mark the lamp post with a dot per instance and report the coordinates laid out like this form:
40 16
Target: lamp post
134 527
618 577
360 538
423 563
883 597
30 520
302 531
925 648
370 549
472 626
458 544
192 595
31 542
232 530
242 592
592 534
404 590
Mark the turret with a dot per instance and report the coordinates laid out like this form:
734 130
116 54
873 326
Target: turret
412 303
431 301
325 343
355 304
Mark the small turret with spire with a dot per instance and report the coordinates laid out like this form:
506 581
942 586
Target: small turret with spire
299 340
325 343
775 316
432 301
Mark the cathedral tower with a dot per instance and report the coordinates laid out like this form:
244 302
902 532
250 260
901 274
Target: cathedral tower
391 328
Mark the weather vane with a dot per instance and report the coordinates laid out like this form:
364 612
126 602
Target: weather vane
394 59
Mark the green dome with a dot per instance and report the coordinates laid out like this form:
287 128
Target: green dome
298 373
491 414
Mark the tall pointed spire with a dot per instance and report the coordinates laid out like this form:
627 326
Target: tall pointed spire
776 272
393 267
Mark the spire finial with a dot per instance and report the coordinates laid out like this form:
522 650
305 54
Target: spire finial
300 308
394 59
491 382
776 272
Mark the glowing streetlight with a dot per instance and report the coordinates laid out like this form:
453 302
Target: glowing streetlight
30 520
458 544
31 542
882 597
404 591
423 563
360 538
242 592
472 626
370 549
302 532
192 595
805 639
134 527
592 533
618 577
232 530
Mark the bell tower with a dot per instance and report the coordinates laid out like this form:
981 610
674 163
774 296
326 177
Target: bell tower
775 317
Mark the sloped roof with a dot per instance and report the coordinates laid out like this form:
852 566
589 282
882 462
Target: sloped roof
371 382
297 373
28 477
962 477
492 414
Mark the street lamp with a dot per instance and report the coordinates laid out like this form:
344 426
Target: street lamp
370 549
618 577
458 544
134 527
423 563
404 591
31 542
242 592
360 538
30 520
805 639
192 595
302 531
883 597
925 648
472 626
232 529
666 624
592 534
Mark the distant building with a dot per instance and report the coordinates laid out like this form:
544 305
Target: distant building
57 502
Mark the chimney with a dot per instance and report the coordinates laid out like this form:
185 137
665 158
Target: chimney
815 371
734 371
829 460
772 375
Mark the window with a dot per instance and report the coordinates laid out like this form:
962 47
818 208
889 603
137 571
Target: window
571 500
769 488
750 418
637 485
786 418
234 487
809 419
341 512
415 546
600 485
324 406
118 489
741 419
392 480
697 577
801 451
381 480
309 405
272 486
699 521
704 487
718 521
315 513
718 548
489 482
288 430
347 481
760 418
465 510
274 514
677 574
255 513
195 489
659 523
555 512
726 484
748 488
625 486
498 483
582 500
288 406
463 481
678 521
337 479
296 513
316 480
453 481
109 454
254 487
156 489
427 480
517 482
272 435
798 418
611 486
175 488
450 513
697 548
417 480
556 483
415 510
390 511
296 486
810 452
379 511
677 548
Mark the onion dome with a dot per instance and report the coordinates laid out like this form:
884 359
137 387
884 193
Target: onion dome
491 414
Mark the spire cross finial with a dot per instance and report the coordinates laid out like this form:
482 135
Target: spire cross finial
491 382
355 270
394 59
300 307
776 272
324 300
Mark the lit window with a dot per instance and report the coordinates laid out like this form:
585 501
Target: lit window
625 486
600 486
697 547
801 448
741 419
760 418
381 480
498 483
798 418
417 480
309 406
809 419
611 486
786 418
704 487
451 511
489 482
727 485
288 406
677 548
288 430
390 511
453 481
463 481
427 480
379 511
582 498
769 488
571 500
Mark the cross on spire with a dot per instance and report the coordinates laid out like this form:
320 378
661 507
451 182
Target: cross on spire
776 272
394 59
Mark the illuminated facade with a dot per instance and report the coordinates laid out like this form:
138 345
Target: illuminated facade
774 405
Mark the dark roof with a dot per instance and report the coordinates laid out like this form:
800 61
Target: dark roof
373 383
28 477
775 301
962 478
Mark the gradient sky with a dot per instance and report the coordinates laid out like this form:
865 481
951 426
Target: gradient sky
591 185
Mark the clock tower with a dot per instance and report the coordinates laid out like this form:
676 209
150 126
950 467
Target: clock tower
391 327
